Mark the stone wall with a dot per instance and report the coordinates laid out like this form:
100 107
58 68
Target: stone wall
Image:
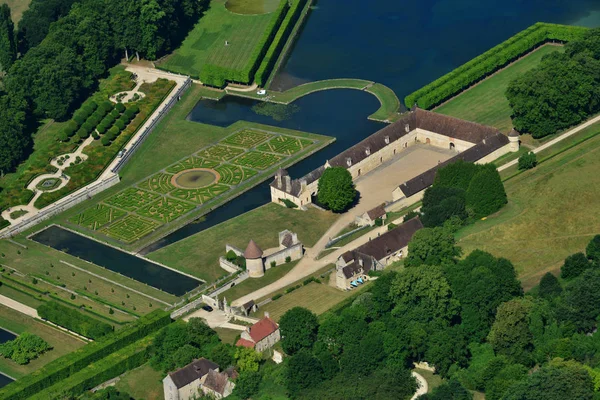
228 266
236 250
268 342
294 252
494 155
169 389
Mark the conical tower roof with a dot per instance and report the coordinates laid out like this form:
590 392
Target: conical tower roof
513 133
252 251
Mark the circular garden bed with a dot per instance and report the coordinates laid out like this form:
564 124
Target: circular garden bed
195 178
49 184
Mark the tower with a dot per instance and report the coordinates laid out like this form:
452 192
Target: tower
254 260
513 137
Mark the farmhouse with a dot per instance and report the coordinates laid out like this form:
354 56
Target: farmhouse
471 142
260 336
200 375
353 267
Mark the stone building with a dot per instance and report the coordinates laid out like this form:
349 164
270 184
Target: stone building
200 375
353 267
260 336
371 216
254 260
471 141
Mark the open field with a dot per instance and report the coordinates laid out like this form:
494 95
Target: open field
486 103
205 44
198 255
227 335
17 8
18 323
317 297
553 211
142 383
252 6
252 284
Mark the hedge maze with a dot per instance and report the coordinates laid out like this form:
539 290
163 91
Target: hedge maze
165 209
96 217
234 175
130 228
258 160
285 145
221 153
160 183
247 138
190 163
132 198
202 195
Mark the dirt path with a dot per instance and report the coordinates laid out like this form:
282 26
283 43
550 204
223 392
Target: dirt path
20 307
422 385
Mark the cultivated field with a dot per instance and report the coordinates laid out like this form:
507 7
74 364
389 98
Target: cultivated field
486 102
205 44
553 211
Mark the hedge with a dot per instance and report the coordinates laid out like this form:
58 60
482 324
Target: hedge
73 320
65 366
489 62
94 374
263 72
215 75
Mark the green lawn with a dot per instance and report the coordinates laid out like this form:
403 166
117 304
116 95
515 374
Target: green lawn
252 6
142 383
61 342
17 8
553 211
486 103
433 380
205 44
252 284
198 255
227 335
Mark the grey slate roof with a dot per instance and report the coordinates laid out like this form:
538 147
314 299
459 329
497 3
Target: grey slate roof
216 381
191 372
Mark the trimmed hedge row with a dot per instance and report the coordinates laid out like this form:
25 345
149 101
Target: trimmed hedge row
94 374
73 320
68 365
215 75
489 62
263 72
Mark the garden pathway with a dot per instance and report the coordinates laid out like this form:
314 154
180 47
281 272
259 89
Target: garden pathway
422 385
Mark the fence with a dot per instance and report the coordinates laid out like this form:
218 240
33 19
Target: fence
345 235
165 109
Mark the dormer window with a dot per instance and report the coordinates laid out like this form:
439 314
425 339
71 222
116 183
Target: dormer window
368 151
407 128
349 161
387 140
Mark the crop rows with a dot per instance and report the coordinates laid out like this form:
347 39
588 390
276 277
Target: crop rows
258 160
190 163
234 175
130 228
202 195
96 217
165 209
160 183
221 153
247 138
132 198
285 145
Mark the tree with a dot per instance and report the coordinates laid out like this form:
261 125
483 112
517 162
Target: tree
527 161
36 20
441 203
248 360
303 371
510 334
336 189
574 266
298 329
24 348
592 250
14 142
247 384
452 390
456 175
8 47
486 193
549 286
222 355
447 348
431 246
582 301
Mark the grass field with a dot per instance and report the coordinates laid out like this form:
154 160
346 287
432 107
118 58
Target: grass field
205 44
486 102
553 211
18 323
317 297
250 285
17 8
142 383
252 6
198 255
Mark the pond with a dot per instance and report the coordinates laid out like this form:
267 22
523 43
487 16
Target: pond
5 380
116 260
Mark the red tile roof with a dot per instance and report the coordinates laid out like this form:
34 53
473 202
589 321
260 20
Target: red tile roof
262 329
245 343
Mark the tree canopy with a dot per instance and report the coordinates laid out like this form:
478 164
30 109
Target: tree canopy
432 246
336 190
8 46
299 329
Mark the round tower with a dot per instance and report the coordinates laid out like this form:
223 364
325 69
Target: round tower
254 260
513 138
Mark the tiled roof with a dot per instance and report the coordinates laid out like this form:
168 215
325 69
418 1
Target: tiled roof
287 240
391 241
245 343
191 372
452 127
353 268
252 251
262 329
216 381
248 305
376 212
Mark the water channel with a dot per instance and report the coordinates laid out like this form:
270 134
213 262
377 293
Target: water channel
5 336
116 260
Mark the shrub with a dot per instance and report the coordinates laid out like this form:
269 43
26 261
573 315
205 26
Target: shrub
120 124
410 215
527 161
114 113
114 132
240 261
134 109
93 120
574 265
106 106
86 127
105 140
83 133
120 107
273 264
101 128
95 136
231 256
92 105
277 296
378 222
288 259
63 137
71 128
79 118
336 189
24 348
391 226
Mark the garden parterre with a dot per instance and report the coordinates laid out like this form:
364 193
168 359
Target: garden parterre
285 145
130 228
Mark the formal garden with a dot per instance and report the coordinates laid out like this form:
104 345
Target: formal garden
130 228
221 153
258 160
284 145
96 217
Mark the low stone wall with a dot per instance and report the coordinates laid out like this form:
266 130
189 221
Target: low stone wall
345 235
228 266
237 251
294 252
187 308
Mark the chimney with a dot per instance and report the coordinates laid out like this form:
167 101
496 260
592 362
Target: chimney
348 161
288 184
278 177
360 261
407 128
303 184
387 140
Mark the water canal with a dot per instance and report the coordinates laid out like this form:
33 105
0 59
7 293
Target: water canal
116 260
5 336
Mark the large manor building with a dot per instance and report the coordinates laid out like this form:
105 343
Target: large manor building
471 141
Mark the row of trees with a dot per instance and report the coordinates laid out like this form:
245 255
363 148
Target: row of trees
55 73
73 320
561 92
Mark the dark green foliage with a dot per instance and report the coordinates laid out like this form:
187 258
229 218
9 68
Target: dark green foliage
410 215
574 266
8 47
298 330
549 286
14 143
36 20
456 175
336 189
289 203
592 250
24 348
83 133
105 140
510 334
63 137
582 301
527 161
485 64
247 384
486 193
120 124
451 390
222 354
431 246
303 371
442 203
73 320
110 393
231 256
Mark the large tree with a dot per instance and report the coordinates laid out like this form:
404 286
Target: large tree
574 266
298 329
486 194
440 203
432 246
13 141
510 334
8 47
303 371
336 190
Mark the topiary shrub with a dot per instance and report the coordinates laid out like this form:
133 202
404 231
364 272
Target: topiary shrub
114 131
105 140
102 128
273 264
79 118
120 107
114 113
120 124
95 136
63 137
527 161
231 256
277 296
82 133
92 105
288 259
336 190
86 127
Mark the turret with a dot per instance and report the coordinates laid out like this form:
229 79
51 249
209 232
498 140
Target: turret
254 260
513 138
